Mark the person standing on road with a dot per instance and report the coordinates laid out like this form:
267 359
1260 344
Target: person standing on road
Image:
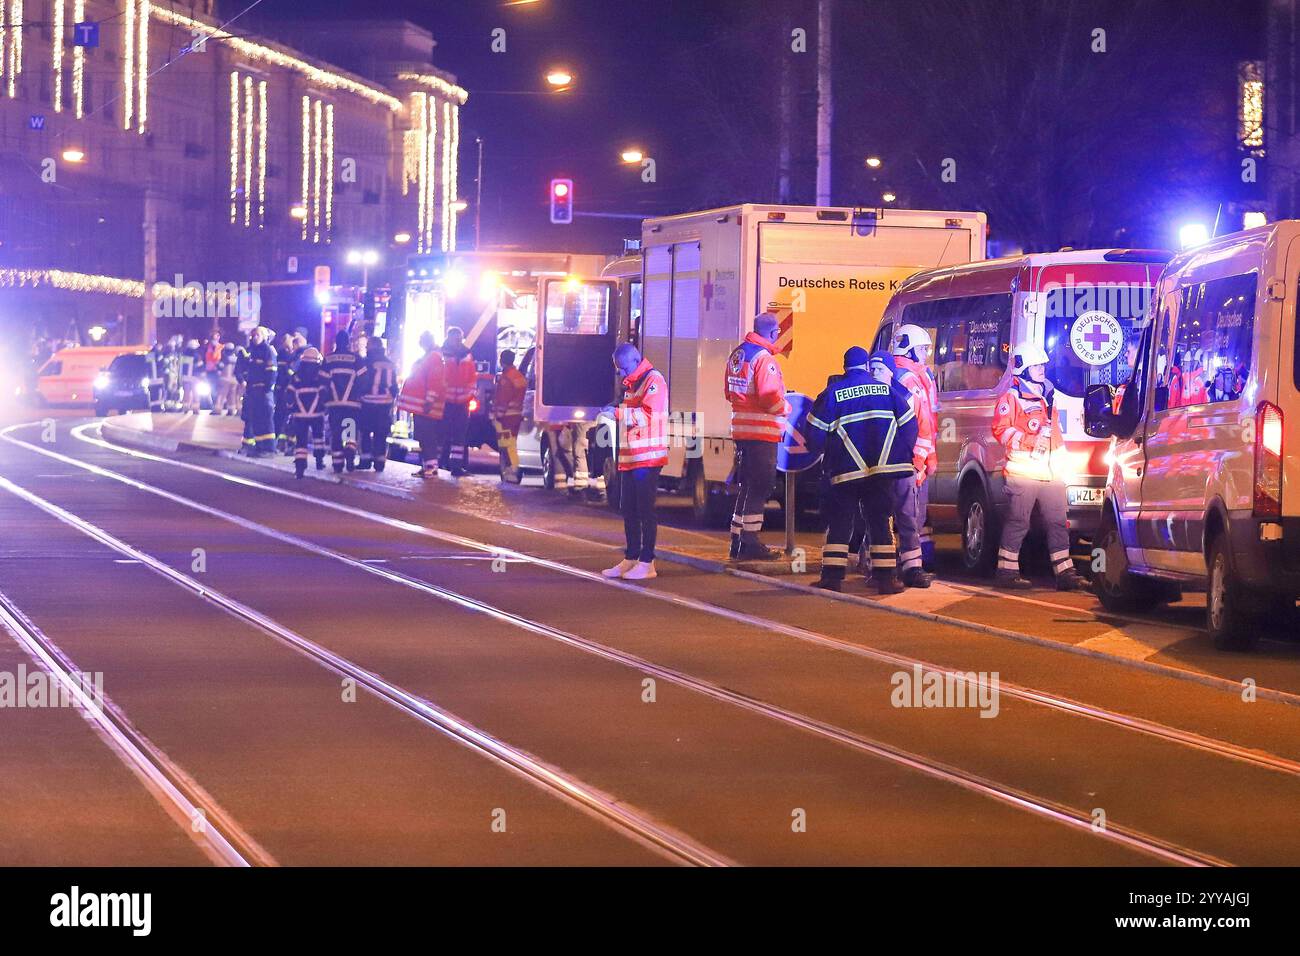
508 413
191 366
306 397
377 387
907 529
867 430
461 377
422 398
343 407
756 391
283 439
259 398
224 395
912 351
1022 422
642 419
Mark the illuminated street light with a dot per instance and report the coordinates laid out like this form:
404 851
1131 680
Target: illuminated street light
873 162
96 332
460 205
1253 219
1193 234
632 155
362 257
888 197
559 77
73 155
402 238
298 212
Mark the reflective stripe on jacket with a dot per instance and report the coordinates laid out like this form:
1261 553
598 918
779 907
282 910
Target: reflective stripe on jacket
867 428
914 377
461 378
756 390
508 396
1022 422
643 420
422 392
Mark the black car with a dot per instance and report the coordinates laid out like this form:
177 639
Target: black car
124 385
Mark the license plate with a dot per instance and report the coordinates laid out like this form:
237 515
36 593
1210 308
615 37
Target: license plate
1083 495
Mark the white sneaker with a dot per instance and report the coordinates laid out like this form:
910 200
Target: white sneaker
620 569
643 571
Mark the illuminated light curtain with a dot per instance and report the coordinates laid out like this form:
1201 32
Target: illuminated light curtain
248 151
128 64
420 109
234 146
445 178
142 71
329 170
56 53
316 169
11 30
306 160
454 175
78 64
261 154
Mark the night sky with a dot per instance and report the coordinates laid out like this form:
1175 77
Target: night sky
1059 144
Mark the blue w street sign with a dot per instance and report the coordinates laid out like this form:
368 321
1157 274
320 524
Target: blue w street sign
36 121
86 34
793 454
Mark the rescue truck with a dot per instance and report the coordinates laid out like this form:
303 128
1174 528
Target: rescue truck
827 273
492 297
1085 308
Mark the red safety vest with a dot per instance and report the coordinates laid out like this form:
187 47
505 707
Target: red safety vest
508 397
422 392
1020 419
913 377
461 376
756 391
643 420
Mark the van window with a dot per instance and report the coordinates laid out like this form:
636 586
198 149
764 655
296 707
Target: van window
972 339
1091 332
52 368
1205 349
884 339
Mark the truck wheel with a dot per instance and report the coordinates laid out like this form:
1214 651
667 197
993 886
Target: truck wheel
1117 588
613 488
980 530
548 466
1230 618
708 504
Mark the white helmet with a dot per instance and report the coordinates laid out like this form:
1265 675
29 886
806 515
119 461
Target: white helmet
909 337
1025 355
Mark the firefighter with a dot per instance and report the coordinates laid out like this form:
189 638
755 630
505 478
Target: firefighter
868 431
224 395
377 386
912 351
1022 422
306 396
259 395
756 391
283 438
461 379
422 397
642 419
568 444
241 387
907 528
156 364
342 406
508 413
191 368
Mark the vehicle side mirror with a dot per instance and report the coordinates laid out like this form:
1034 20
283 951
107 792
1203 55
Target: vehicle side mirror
1098 411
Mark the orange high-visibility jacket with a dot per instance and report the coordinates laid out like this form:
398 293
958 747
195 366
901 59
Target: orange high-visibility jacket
913 377
461 377
508 397
422 392
643 420
756 390
1022 422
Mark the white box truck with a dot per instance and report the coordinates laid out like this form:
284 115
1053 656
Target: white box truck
826 272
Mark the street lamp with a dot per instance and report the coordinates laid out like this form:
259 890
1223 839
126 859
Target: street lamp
873 162
632 155
402 238
559 77
298 212
888 197
73 155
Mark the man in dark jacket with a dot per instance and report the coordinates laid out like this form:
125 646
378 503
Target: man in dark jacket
377 389
343 405
259 397
867 430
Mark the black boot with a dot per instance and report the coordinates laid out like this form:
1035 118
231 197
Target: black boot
885 583
1069 580
1011 581
751 549
299 467
830 584
915 578
320 462
735 547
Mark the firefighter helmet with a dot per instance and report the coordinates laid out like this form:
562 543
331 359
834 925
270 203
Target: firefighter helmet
311 355
909 337
1027 355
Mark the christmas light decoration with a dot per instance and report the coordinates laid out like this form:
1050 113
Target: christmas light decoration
306 144
261 154
445 180
316 169
15 44
128 62
78 63
234 144
329 170
437 84
274 56
142 70
56 50
248 151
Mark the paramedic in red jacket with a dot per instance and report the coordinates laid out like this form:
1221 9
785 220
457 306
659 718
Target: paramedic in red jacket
642 453
508 413
422 397
756 391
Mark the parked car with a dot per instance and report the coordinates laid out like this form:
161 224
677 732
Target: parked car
1199 495
68 376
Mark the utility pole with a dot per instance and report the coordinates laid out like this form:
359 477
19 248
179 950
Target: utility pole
150 235
478 192
786 111
824 103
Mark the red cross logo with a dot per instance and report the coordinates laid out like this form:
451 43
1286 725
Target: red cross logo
1097 337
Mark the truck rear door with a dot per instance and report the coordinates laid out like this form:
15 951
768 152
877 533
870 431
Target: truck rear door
576 336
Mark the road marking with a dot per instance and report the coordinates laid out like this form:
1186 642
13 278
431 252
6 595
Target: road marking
1137 643
934 598
604 807
179 795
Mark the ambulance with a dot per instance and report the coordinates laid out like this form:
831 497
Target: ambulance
1086 308
826 272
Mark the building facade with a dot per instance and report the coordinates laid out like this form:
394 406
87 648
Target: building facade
142 146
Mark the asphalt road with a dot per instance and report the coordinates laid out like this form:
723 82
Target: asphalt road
305 672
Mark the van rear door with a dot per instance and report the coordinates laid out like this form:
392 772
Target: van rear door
576 335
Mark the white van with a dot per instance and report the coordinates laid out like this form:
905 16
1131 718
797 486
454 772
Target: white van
1083 307
1197 492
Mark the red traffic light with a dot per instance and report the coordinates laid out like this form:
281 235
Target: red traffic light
562 201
